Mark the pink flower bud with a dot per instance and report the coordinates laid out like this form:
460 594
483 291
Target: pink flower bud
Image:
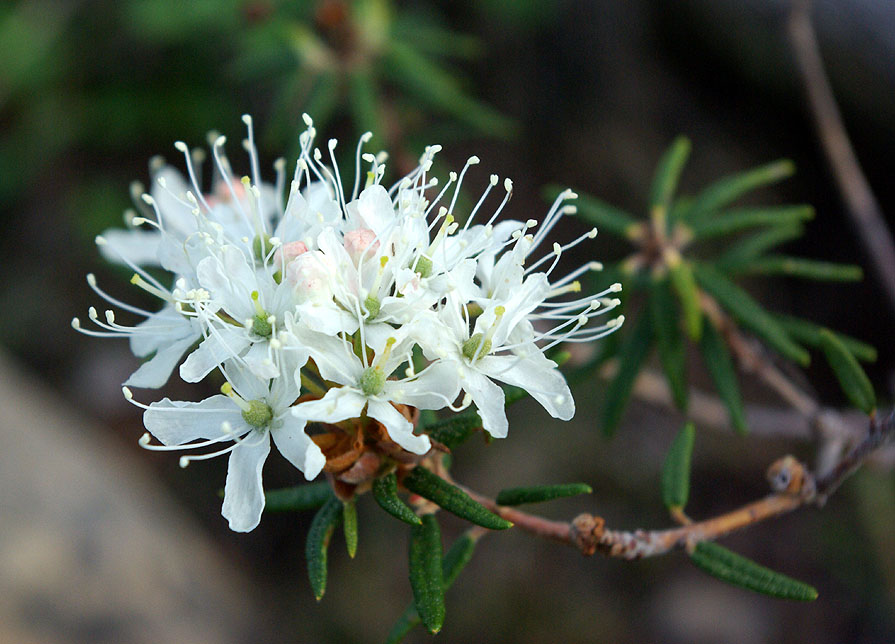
310 274
286 253
357 243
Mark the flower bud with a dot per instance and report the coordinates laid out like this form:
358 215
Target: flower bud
357 243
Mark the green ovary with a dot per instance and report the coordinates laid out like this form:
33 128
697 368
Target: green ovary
372 381
259 414
471 347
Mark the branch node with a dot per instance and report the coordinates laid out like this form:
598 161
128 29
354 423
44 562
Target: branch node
587 533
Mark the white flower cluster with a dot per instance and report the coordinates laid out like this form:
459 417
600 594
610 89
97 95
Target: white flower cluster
328 306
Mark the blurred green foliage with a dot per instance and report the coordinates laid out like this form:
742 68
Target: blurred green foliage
688 290
107 79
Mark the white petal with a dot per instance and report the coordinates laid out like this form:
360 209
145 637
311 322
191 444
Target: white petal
297 446
244 492
259 362
327 318
435 387
155 372
490 400
161 327
138 246
338 404
399 428
229 276
213 351
334 356
177 215
175 422
374 207
536 374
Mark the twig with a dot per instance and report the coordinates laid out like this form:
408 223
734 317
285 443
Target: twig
859 199
796 487
764 421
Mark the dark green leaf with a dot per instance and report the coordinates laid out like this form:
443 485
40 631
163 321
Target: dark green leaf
684 283
605 217
539 493
717 361
631 357
453 563
806 268
851 376
319 535
364 102
385 491
669 340
308 496
731 188
733 221
323 98
739 571
451 498
349 524
454 430
426 576
433 39
749 313
676 471
740 254
438 89
809 333
668 174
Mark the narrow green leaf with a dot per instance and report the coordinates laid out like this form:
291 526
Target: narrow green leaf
321 102
454 430
433 39
806 268
385 491
736 220
684 283
741 253
426 575
605 217
319 535
437 88
745 573
731 188
540 493
452 564
851 376
668 173
666 328
364 102
676 471
718 362
307 496
457 557
349 524
631 357
451 498
750 313
809 333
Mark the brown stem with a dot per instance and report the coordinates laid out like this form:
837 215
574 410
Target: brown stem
796 487
859 199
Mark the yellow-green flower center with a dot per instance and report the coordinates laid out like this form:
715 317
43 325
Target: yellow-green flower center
259 414
476 347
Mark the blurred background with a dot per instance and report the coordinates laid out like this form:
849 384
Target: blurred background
100 541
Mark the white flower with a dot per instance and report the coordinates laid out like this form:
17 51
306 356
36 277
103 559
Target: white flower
240 313
365 280
251 413
368 387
